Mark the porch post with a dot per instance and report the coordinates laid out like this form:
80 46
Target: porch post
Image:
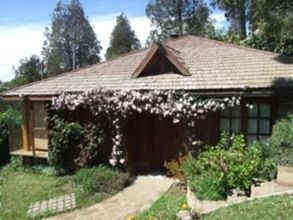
25 127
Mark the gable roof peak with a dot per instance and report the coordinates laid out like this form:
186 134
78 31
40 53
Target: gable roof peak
172 55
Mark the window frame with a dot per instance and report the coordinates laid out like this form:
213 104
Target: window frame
36 129
244 117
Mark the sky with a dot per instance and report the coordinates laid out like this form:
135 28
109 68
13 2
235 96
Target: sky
22 24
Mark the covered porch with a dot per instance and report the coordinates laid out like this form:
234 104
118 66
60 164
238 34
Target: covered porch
30 139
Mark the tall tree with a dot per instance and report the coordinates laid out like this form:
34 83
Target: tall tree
274 29
237 11
177 17
71 42
30 69
123 39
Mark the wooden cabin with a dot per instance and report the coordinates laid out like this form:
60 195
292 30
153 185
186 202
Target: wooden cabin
198 66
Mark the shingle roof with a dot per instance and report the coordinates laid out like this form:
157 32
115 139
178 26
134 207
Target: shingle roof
213 65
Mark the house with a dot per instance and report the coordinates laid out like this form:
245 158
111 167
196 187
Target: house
198 66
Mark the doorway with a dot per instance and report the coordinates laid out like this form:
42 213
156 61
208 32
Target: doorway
151 141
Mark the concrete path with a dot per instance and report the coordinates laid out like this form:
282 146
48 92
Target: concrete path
132 200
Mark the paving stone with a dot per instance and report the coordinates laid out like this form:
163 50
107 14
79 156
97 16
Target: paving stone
52 205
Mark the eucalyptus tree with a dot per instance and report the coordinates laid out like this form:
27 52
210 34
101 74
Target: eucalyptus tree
177 17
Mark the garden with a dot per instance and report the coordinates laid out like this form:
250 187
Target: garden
77 161
22 186
214 173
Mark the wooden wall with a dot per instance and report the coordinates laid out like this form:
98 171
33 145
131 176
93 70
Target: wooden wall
149 141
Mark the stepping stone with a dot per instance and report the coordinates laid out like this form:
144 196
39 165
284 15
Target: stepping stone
54 205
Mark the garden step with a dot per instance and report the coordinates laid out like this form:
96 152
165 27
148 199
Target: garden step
285 176
261 187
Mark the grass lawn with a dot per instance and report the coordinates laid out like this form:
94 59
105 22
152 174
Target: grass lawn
272 208
20 188
166 207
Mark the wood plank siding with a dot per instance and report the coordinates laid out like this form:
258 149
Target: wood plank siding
149 141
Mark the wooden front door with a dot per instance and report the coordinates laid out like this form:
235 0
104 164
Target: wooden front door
153 141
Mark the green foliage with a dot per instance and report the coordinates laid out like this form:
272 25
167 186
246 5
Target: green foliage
242 163
41 185
13 118
31 69
175 167
283 132
73 145
16 200
89 150
274 32
48 171
15 82
123 39
236 11
274 35
71 42
177 17
64 139
268 165
167 206
207 187
271 208
102 179
281 141
226 169
16 164
4 140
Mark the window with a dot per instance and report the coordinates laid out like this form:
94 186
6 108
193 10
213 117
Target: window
255 123
231 120
39 128
258 122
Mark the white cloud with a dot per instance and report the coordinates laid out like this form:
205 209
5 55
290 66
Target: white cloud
18 42
220 20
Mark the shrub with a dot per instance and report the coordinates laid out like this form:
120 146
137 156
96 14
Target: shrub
16 164
72 145
89 150
281 141
4 140
48 171
175 167
283 133
102 179
208 187
64 139
220 169
12 117
242 163
267 168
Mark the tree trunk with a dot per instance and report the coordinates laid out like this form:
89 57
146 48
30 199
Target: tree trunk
243 21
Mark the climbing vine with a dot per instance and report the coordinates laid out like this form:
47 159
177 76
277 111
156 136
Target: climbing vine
118 105
73 144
